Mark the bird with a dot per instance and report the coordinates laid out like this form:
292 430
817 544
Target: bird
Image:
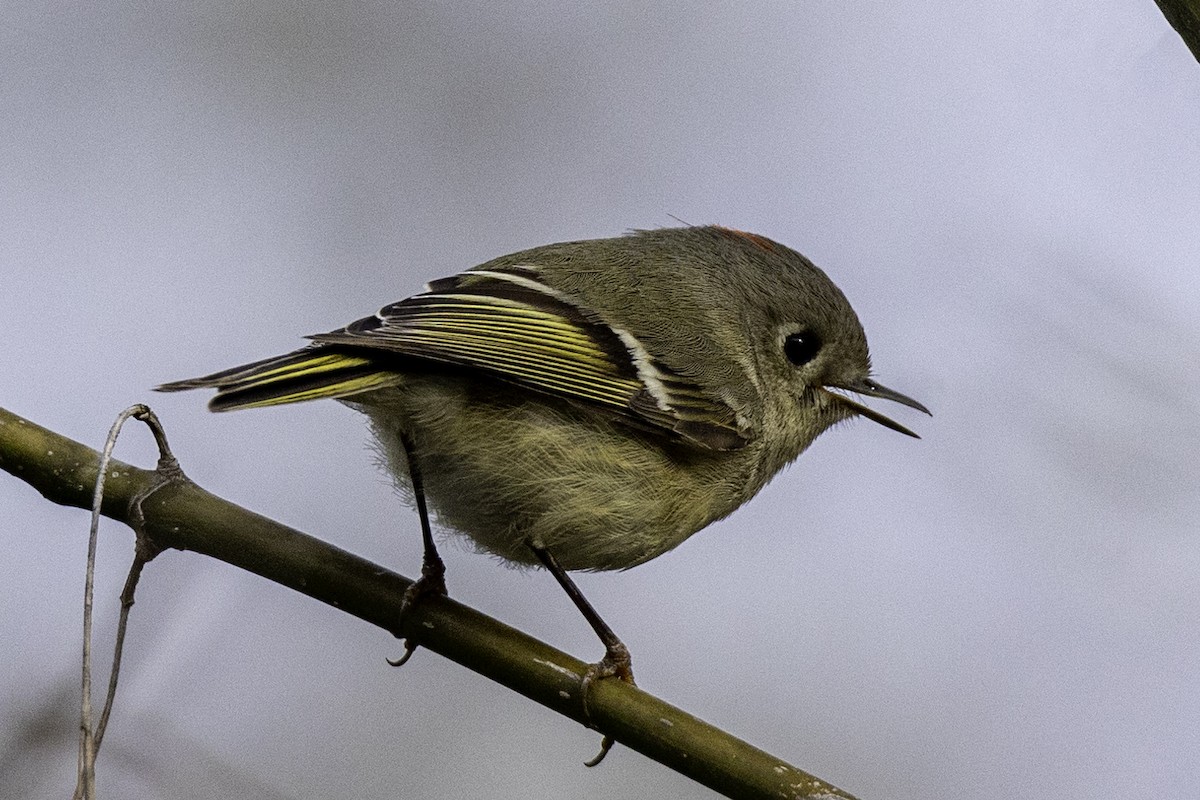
589 405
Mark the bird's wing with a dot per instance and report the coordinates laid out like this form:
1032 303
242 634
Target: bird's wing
513 326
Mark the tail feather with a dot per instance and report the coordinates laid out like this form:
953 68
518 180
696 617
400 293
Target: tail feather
308 374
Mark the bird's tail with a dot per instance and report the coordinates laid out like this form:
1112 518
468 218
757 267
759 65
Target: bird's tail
308 374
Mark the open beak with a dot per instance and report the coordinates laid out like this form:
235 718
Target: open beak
870 388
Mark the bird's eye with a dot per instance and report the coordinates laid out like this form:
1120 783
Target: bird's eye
801 347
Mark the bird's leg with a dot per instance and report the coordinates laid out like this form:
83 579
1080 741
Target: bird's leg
433 569
616 662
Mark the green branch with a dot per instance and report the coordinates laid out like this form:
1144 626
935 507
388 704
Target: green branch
181 515
1184 16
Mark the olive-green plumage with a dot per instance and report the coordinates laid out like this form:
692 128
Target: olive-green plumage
601 399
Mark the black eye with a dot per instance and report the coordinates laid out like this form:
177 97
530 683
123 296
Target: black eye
801 347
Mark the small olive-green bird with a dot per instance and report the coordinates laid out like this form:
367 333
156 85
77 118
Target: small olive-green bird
590 405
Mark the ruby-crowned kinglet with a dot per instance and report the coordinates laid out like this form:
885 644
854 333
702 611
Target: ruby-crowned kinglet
589 405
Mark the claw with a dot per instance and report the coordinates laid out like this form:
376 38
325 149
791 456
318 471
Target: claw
615 664
410 647
431 582
606 744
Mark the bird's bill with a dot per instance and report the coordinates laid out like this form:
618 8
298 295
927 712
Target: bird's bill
870 388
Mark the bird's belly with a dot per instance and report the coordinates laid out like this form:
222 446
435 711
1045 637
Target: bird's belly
595 494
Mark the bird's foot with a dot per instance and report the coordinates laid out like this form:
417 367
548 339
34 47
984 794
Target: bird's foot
431 582
616 663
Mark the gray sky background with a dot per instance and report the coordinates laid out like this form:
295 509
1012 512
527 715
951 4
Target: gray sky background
1007 193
